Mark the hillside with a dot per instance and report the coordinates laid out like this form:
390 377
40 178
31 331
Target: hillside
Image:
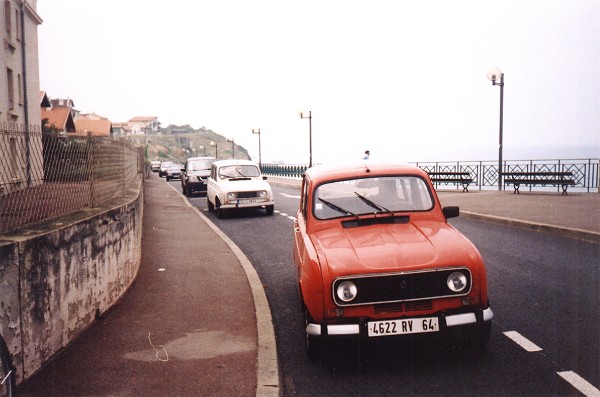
177 143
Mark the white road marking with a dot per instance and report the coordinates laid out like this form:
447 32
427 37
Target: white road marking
523 341
580 384
290 196
283 214
292 218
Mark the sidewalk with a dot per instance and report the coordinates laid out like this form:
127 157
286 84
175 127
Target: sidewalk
196 321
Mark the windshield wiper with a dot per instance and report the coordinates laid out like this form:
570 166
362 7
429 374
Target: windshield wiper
372 204
338 209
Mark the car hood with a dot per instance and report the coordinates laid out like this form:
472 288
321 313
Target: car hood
392 248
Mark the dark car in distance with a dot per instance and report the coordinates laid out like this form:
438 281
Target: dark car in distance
173 172
195 173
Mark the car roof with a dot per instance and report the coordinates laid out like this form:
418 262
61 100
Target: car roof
325 172
200 158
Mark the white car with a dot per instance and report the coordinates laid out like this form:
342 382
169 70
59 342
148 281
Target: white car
238 184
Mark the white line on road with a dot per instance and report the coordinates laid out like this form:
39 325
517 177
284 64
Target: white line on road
580 384
289 196
523 341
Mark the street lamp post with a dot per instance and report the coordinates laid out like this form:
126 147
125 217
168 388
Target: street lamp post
494 75
216 149
257 131
232 147
203 149
309 117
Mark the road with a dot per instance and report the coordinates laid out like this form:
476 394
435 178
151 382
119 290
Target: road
543 289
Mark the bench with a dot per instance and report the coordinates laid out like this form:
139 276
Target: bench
562 179
460 178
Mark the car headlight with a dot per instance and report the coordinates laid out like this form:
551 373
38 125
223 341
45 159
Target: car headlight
231 196
263 194
346 291
457 281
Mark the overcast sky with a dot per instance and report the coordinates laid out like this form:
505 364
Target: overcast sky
405 79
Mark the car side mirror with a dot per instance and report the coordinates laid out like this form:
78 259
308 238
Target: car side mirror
451 211
264 178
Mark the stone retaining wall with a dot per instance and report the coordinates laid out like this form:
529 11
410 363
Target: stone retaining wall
57 277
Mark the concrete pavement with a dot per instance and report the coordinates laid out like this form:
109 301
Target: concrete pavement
197 322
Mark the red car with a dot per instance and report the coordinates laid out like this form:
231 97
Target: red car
376 258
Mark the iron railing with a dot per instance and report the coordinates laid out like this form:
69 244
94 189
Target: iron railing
484 173
43 174
284 170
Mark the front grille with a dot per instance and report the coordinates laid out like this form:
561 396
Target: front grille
399 307
400 287
247 194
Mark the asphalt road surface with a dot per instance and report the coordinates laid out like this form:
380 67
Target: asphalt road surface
543 290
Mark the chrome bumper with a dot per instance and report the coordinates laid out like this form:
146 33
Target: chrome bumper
452 320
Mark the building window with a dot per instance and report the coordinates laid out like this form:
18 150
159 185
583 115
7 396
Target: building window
20 87
18 25
11 88
7 20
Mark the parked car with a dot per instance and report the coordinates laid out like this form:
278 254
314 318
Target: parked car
173 172
195 173
376 258
163 168
155 165
238 184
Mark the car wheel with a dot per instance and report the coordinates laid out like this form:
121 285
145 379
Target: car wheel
220 211
477 336
270 209
211 206
188 191
168 179
7 373
313 343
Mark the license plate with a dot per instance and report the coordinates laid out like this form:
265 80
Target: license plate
402 327
247 201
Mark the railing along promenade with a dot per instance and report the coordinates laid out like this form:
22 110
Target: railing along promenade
44 174
485 173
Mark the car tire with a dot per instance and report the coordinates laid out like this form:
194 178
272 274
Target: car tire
270 209
314 345
220 211
168 179
7 372
211 206
188 191
477 336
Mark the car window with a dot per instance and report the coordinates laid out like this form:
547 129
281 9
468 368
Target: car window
239 171
369 195
199 165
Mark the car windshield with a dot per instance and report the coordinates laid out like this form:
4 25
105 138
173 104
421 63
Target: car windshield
200 165
175 167
388 194
239 171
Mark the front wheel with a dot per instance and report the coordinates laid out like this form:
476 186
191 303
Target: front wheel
210 205
313 343
270 209
7 373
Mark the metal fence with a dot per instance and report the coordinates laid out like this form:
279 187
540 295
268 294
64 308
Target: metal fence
43 175
284 170
485 173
